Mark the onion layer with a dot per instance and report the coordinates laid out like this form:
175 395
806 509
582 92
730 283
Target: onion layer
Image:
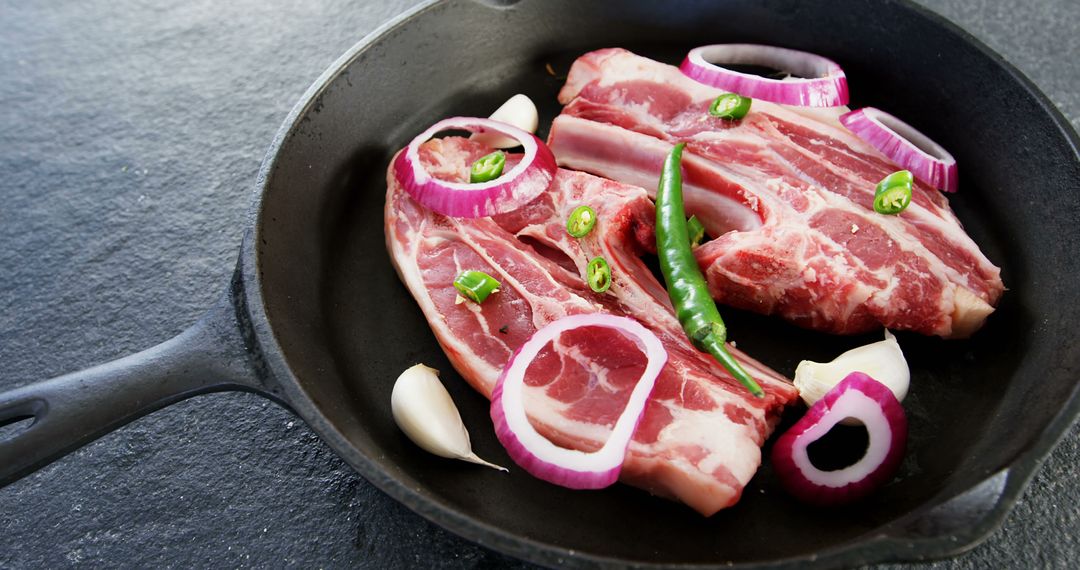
905 146
821 83
538 455
871 403
527 180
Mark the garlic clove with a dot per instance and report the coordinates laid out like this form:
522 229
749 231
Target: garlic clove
424 410
883 361
519 111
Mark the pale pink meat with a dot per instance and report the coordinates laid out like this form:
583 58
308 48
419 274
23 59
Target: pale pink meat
788 192
699 441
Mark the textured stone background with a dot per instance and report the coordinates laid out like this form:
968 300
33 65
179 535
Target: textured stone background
130 135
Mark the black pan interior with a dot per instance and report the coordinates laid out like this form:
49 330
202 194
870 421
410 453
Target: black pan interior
348 327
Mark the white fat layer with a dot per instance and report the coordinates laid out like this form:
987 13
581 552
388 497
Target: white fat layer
726 443
969 312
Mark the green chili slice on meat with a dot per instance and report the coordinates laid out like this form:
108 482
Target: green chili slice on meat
487 168
695 230
898 178
475 285
893 194
598 274
581 221
893 200
686 286
730 106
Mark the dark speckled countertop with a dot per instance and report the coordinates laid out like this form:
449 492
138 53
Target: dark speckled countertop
130 135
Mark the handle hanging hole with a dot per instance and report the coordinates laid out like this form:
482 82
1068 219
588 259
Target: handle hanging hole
10 427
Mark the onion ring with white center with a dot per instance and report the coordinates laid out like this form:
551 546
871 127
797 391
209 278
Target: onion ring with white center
524 182
820 81
905 146
538 455
865 400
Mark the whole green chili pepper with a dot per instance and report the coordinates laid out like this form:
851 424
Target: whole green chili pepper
694 307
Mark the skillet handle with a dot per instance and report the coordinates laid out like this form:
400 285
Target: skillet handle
70 411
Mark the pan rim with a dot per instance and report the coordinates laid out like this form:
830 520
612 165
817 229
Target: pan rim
877 548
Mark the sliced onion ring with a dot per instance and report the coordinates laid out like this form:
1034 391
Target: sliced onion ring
866 400
527 180
538 455
905 146
821 82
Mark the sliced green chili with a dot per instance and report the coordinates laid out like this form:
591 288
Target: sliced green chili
488 167
730 106
898 178
475 285
893 200
598 274
695 230
581 221
686 286
893 194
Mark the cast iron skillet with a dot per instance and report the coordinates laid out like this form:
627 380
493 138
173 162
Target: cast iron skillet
316 319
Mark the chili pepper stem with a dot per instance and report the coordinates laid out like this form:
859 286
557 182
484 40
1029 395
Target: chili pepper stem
721 354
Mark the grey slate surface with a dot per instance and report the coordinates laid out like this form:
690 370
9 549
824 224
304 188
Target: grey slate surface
130 135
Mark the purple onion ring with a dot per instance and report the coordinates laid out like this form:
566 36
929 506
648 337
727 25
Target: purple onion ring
866 400
524 182
538 455
905 146
821 82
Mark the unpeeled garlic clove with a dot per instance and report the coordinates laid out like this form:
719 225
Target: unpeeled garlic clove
424 410
883 361
518 111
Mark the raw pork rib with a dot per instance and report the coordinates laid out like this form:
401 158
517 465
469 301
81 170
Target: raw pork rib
789 193
699 441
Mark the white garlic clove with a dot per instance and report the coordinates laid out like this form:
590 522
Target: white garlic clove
883 361
518 111
424 410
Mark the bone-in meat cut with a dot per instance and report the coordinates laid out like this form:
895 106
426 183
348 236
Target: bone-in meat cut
787 193
699 440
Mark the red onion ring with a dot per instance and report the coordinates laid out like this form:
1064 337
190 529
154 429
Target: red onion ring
524 182
862 398
905 146
822 82
535 453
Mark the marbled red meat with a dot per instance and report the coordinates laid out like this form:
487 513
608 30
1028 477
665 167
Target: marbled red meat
788 192
699 440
